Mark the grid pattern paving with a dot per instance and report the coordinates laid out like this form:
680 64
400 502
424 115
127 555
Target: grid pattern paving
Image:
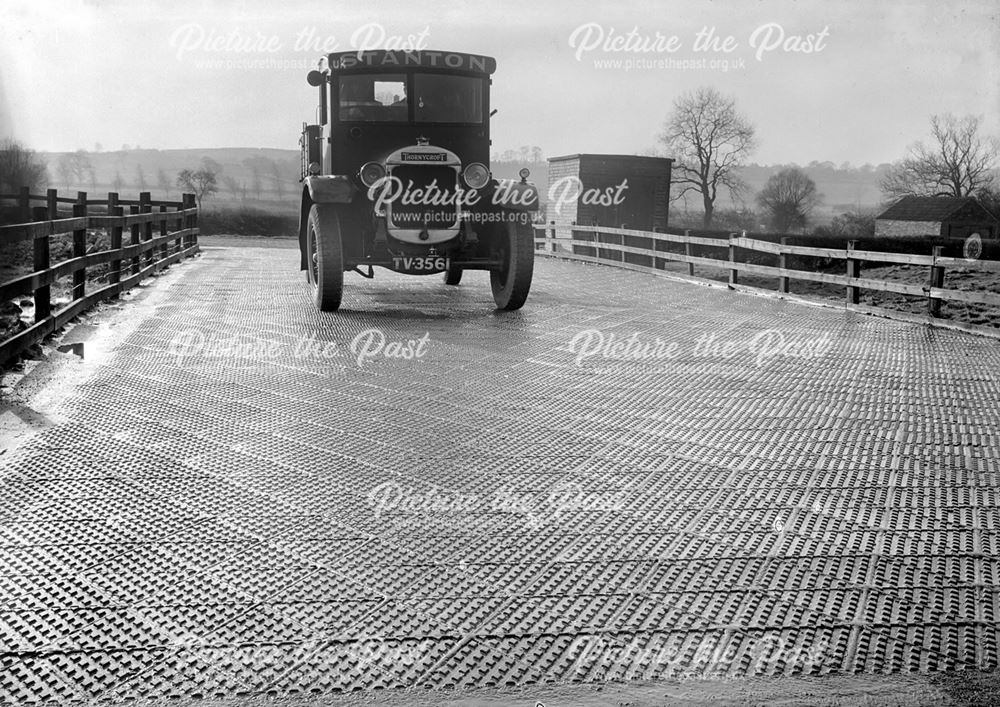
631 478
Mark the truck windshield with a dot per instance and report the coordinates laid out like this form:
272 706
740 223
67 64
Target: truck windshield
379 97
439 98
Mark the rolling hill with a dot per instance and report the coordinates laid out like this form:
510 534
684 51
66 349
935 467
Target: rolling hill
269 177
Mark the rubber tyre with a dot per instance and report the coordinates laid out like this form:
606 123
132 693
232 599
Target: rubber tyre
453 276
326 257
511 282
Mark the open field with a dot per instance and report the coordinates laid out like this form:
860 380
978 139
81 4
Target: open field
960 279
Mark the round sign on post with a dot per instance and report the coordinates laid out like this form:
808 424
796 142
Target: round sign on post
973 247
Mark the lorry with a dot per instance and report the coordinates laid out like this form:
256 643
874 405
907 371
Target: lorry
395 174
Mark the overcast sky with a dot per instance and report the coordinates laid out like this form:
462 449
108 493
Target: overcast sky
852 80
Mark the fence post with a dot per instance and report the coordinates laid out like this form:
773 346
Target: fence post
936 280
613 239
24 205
115 276
197 215
51 213
553 244
182 223
43 294
688 251
114 267
165 248
81 197
134 240
733 272
577 236
783 264
188 220
852 271
192 204
179 225
80 250
146 207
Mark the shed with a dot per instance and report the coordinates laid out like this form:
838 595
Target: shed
944 216
642 204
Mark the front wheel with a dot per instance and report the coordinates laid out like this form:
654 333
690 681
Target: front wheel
453 275
512 280
326 257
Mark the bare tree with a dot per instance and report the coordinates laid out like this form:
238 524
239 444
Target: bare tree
257 166
989 197
708 139
207 163
959 162
140 178
65 170
80 165
117 183
83 168
20 167
201 183
231 185
163 182
75 167
789 197
276 179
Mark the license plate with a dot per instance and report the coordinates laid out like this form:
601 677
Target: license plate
420 263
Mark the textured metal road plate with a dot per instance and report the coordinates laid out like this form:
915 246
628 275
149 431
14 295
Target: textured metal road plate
251 497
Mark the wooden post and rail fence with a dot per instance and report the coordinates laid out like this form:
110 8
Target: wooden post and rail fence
601 244
160 232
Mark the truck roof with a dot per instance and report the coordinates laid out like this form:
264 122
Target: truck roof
394 60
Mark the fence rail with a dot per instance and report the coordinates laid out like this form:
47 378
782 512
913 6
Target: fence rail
128 263
599 244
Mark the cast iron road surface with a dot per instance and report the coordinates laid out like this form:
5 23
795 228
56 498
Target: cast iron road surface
232 503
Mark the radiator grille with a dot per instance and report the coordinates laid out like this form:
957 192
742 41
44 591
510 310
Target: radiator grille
436 207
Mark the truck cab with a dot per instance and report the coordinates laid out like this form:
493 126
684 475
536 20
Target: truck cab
395 174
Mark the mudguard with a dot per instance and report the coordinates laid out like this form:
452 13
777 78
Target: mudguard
516 196
321 189
330 189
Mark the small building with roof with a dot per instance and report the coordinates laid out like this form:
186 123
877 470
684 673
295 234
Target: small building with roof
619 191
937 216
